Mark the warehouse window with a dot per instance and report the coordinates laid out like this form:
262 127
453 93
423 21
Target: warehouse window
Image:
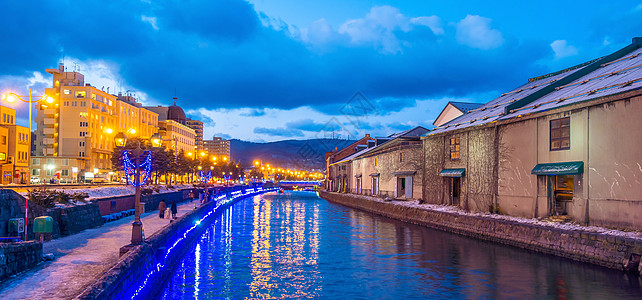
454 148
561 134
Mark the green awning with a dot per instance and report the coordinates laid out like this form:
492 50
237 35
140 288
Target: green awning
452 172
563 168
405 173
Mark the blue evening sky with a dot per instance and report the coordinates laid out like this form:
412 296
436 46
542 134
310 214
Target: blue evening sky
265 70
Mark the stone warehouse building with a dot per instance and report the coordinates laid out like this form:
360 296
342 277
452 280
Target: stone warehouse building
331 157
567 143
564 144
388 167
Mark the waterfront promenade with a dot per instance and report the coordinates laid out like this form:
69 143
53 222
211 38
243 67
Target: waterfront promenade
80 258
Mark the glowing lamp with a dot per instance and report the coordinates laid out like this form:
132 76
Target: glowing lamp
156 141
120 140
49 99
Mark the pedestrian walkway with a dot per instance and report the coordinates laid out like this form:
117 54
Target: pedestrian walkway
80 259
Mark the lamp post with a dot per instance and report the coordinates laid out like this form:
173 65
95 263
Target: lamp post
120 140
11 97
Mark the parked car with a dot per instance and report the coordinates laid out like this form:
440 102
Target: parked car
99 180
34 180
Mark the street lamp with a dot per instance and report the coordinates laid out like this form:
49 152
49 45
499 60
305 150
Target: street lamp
12 97
120 140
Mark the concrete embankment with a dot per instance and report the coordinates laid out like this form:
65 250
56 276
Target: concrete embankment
605 249
139 272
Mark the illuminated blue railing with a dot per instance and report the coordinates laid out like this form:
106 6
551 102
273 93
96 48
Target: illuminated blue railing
221 200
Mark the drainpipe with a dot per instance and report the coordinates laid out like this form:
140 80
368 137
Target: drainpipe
588 159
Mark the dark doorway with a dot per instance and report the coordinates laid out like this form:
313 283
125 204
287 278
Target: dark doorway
562 194
401 186
455 190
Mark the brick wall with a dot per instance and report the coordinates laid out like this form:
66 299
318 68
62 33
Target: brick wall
17 257
595 248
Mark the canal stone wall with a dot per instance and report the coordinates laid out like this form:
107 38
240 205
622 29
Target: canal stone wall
17 257
146 266
602 249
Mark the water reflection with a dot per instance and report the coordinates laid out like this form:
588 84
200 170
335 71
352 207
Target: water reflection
299 246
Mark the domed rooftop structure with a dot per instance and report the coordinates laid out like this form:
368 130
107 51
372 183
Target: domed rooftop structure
176 113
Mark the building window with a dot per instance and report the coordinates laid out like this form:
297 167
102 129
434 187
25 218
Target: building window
375 161
561 134
401 157
81 144
35 172
65 162
81 94
35 161
3 156
83 103
454 148
3 139
66 92
65 172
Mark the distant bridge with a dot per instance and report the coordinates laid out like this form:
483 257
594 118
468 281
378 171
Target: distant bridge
290 184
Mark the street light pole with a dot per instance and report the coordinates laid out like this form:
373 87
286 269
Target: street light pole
11 97
120 140
137 226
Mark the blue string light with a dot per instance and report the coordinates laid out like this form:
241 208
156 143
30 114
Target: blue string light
160 266
206 178
130 168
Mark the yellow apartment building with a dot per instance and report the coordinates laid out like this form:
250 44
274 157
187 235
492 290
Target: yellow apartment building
174 129
14 148
217 146
177 136
81 124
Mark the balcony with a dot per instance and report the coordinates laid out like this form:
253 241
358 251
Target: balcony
48 141
49 121
49 131
49 112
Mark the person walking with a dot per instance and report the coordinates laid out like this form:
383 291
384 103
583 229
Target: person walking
174 209
161 209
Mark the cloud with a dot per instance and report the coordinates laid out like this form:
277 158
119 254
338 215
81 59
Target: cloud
381 27
305 125
475 31
432 22
223 135
563 49
221 56
151 20
279 132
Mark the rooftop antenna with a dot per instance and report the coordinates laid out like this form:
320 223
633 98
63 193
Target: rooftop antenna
175 98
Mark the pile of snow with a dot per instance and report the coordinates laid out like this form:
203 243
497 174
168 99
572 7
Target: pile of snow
101 192
121 190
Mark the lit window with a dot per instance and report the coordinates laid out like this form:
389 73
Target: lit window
454 148
81 94
66 92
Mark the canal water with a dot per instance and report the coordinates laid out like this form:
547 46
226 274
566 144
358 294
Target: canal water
297 245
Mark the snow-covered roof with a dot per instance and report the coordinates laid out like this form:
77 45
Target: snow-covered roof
615 73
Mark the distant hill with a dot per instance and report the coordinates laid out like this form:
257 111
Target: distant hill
299 154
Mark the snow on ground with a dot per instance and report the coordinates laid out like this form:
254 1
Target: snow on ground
99 192
533 221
